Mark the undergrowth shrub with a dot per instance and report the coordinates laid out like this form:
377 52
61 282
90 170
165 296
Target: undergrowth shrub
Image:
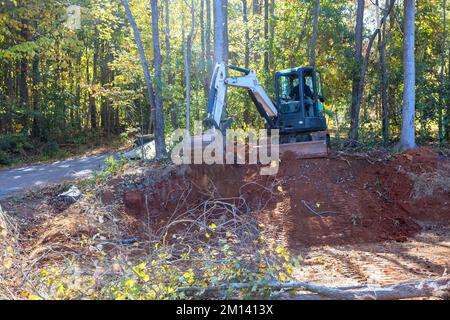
426 184
51 149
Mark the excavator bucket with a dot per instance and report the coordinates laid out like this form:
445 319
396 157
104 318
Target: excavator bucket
290 151
304 150
319 147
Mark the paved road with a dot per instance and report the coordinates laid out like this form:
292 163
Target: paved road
22 179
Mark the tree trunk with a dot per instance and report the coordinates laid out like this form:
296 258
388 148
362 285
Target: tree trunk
35 132
170 76
257 6
148 83
384 83
225 30
247 114
220 32
266 37
208 38
441 107
204 62
103 82
312 60
447 114
357 70
409 98
425 288
256 10
187 52
272 22
24 98
160 142
247 34
92 106
9 95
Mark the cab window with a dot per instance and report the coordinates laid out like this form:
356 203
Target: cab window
288 85
289 94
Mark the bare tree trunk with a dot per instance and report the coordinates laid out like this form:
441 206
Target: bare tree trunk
384 83
266 36
23 76
257 6
103 82
220 32
160 142
256 10
204 58
170 76
272 23
425 288
208 38
187 51
442 129
312 60
357 70
137 37
247 109
408 139
92 106
9 95
35 131
447 114
225 30
247 34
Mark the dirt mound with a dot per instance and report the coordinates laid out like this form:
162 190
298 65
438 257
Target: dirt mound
310 202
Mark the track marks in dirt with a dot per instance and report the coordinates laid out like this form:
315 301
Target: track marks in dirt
427 255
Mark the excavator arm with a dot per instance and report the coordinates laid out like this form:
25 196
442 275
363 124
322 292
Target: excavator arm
248 81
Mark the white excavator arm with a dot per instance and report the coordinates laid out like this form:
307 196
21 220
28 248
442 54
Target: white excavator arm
217 100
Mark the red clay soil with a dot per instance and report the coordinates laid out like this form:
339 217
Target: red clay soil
364 201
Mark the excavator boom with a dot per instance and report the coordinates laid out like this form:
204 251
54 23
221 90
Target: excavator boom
248 81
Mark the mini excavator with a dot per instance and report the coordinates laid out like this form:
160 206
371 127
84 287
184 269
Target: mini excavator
297 112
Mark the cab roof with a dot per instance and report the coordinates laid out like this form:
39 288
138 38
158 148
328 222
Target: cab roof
294 70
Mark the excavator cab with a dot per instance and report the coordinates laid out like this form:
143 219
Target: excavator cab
299 100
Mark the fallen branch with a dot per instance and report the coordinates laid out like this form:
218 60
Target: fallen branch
425 288
319 214
274 285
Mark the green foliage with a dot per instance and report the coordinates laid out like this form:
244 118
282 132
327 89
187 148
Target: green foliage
51 149
75 77
4 158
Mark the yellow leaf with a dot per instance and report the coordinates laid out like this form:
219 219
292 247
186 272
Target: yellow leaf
282 277
200 250
7 263
142 266
129 283
9 250
170 291
33 297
